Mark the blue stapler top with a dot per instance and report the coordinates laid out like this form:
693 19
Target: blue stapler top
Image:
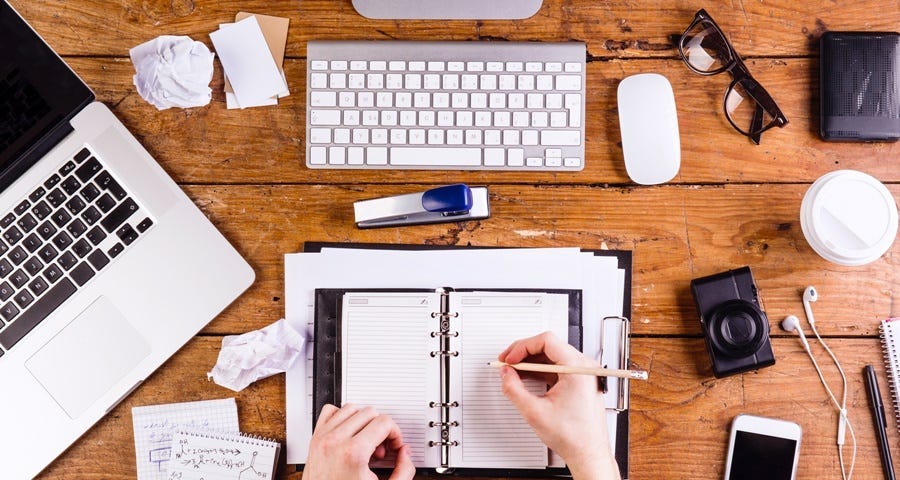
448 199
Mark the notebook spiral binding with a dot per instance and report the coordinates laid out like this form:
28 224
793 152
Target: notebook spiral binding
445 353
243 438
892 362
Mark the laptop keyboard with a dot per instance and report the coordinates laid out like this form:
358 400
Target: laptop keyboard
58 238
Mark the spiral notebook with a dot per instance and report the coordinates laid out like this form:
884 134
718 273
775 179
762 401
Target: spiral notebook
890 340
199 455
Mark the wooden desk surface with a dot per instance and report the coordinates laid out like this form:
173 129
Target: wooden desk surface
732 204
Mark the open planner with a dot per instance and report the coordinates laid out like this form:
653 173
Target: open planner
415 342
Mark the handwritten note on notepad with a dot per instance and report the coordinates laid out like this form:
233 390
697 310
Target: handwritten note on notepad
155 425
210 456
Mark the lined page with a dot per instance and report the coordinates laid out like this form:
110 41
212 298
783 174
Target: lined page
386 363
494 434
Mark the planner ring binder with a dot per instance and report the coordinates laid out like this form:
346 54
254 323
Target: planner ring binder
445 353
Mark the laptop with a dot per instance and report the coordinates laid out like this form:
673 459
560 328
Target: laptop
106 267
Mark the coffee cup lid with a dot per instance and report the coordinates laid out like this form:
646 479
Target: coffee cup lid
849 217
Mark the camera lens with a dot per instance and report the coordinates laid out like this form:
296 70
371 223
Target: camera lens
738 328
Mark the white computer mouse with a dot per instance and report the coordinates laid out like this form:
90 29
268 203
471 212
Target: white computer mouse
649 124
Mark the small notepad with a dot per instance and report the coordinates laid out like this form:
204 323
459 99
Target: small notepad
890 339
198 455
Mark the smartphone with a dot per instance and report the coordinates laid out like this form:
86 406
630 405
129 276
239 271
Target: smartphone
762 449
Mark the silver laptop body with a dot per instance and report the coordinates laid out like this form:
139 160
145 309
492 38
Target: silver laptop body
96 324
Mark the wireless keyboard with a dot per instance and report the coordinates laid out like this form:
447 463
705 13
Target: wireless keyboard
445 105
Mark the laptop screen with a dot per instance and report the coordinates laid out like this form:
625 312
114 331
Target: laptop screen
38 92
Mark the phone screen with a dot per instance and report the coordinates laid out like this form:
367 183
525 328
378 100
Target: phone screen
762 457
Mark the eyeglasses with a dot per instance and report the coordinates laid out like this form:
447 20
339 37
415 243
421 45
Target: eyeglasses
748 106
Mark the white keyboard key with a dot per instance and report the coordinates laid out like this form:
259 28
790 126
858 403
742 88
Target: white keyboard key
432 81
422 100
507 82
482 118
384 99
360 135
573 105
494 66
545 82
535 101
435 137
464 119
380 136
498 100
573 67
572 162
393 81
561 137
426 118
494 157
417 136
469 82
336 155
338 64
510 137
447 156
319 135
539 119
553 67
403 100
454 137
397 66
526 82
553 152
347 99
460 100
375 81
356 81
558 119
488 82
342 135
318 80
445 118
370 117
377 155
317 156
379 65
478 100
520 119
492 137
318 65
473 137
413 81
568 82
534 67
475 66
355 156
398 136
323 99
514 66
416 66
553 162
351 117
456 66
325 117
389 118
530 137
358 65
554 100
407 118
365 99
337 81
502 119
516 157
441 100
435 66
451 81
516 100
534 161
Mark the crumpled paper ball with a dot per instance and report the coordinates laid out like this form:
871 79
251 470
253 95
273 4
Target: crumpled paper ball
173 71
258 354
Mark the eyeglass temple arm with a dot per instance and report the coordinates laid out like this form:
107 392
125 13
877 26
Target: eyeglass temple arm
756 124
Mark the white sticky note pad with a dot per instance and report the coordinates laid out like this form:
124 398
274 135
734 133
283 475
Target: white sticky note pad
247 61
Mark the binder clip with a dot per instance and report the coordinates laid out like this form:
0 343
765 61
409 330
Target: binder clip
452 203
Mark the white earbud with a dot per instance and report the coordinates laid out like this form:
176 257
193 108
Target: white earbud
792 324
809 296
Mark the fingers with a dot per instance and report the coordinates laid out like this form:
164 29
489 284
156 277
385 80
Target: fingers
404 469
381 429
327 412
546 343
524 401
354 422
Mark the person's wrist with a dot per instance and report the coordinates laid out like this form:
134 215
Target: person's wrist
593 466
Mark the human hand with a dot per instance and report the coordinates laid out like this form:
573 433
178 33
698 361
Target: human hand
570 418
346 439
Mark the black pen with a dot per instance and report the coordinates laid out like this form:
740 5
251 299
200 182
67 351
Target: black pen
880 422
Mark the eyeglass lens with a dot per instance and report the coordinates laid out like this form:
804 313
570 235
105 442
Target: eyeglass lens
745 113
705 49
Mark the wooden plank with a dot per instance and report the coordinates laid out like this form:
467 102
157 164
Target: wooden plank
676 233
681 396
611 28
268 145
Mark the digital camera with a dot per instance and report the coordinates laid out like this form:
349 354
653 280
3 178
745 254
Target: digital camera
735 327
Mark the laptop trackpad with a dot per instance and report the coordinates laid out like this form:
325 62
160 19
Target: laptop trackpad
88 357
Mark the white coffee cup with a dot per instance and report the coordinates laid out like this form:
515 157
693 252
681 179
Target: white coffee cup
849 218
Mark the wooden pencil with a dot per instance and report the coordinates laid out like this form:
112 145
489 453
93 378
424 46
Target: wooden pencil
596 371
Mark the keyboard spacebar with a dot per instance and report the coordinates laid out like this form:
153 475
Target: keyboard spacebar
437 156
37 313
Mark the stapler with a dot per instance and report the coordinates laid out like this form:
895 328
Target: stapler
451 203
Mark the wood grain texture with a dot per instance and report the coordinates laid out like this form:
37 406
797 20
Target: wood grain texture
732 204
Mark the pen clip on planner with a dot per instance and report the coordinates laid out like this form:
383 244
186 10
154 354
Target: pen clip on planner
451 203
